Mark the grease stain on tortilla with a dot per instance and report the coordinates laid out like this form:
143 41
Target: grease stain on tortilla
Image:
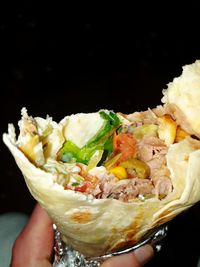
129 233
81 217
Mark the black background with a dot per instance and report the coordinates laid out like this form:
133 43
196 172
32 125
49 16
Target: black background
60 59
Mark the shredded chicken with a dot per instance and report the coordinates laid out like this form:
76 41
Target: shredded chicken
150 146
152 151
163 186
123 189
103 184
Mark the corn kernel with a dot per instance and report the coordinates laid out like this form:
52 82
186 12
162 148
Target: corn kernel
119 172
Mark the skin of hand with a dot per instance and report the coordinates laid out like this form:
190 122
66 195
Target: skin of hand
135 259
34 246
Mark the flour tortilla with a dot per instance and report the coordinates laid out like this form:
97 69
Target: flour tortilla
183 95
95 227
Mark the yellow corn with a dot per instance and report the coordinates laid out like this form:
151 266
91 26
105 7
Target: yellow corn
119 172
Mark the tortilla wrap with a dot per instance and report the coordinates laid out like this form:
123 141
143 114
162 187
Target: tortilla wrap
97 226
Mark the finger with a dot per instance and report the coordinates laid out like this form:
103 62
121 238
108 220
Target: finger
136 259
34 245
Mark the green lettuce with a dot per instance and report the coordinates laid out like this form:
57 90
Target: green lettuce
100 141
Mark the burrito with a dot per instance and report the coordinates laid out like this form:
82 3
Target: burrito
107 178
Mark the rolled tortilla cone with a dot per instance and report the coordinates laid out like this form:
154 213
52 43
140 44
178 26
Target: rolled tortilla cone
96 227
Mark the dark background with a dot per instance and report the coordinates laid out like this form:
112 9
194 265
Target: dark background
58 60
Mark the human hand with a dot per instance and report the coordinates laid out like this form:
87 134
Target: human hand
34 246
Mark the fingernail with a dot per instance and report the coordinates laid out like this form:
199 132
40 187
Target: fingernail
144 254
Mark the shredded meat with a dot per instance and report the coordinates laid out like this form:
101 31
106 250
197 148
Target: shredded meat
27 124
145 117
125 189
150 147
163 186
152 151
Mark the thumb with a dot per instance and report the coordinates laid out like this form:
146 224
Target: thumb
135 259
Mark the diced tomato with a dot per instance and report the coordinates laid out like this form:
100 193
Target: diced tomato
125 144
82 188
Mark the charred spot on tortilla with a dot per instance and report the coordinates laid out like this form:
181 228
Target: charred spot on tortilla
128 234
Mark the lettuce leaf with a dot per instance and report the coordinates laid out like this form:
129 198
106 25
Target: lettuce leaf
101 141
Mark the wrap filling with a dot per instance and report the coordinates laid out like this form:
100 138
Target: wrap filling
105 154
